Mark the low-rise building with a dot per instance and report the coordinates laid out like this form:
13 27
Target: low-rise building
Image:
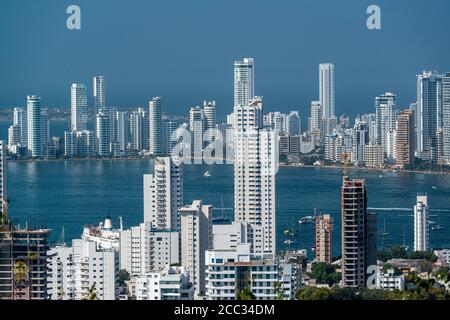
171 283
390 281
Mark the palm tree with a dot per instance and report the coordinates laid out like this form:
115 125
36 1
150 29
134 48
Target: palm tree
91 294
245 294
278 286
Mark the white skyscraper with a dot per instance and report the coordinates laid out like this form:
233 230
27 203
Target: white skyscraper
137 118
255 169
74 270
156 126
197 128
3 201
34 126
99 93
446 116
20 119
163 194
209 111
45 132
421 236
103 134
244 80
122 129
196 230
327 98
14 137
78 107
292 124
386 117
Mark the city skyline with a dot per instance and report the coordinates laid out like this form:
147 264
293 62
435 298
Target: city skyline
296 67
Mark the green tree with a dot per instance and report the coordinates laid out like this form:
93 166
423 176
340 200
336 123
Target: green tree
123 276
313 293
91 294
245 294
325 273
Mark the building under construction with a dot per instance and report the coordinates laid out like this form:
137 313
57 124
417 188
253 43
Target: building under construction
358 233
23 263
23 253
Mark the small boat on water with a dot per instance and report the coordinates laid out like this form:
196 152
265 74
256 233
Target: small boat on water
306 219
437 227
288 241
207 174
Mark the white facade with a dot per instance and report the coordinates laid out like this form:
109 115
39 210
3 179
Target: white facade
327 98
443 255
14 137
20 119
155 128
74 271
196 238
78 107
421 224
34 126
171 283
390 281
244 80
228 236
3 197
225 270
163 194
99 93
446 116
255 169
103 134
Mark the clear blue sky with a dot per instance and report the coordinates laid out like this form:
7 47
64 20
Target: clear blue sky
184 50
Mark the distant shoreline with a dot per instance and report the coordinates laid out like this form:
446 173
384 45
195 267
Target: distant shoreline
366 169
281 165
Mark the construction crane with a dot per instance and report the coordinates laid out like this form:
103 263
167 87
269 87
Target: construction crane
345 157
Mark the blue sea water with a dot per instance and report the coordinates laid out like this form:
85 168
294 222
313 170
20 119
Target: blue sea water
74 193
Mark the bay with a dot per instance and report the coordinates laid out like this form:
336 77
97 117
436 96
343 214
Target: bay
74 193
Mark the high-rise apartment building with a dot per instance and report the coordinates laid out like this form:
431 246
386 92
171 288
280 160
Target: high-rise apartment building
34 126
156 126
99 93
163 194
358 233
197 128
20 119
386 115
244 79
137 130
103 135
327 97
446 116
78 107
405 138
429 113
74 271
255 168
122 130
421 223
196 239
324 230
209 112
23 261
